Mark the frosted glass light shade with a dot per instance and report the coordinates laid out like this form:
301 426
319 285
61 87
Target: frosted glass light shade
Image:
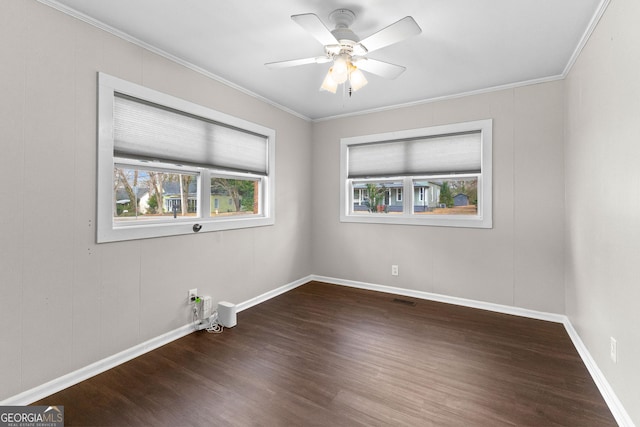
340 69
357 79
329 84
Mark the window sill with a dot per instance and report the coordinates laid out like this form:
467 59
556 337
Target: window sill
432 220
180 227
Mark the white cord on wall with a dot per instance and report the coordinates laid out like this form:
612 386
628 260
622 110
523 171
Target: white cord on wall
195 316
214 327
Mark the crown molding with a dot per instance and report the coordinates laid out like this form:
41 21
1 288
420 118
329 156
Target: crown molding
586 36
127 37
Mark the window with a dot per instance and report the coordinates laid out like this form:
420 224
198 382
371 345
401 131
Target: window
431 176
165 165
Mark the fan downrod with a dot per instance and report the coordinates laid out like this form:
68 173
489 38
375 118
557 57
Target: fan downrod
342 18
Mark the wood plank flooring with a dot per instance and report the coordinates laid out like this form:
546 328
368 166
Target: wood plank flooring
327 355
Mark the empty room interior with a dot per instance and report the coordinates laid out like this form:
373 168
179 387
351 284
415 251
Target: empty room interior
391 213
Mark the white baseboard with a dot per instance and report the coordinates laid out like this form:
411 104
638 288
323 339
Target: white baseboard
622 417
617 410
499 308
272 294
29 396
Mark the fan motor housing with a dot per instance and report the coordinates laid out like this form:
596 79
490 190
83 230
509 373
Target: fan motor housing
342 19
345 36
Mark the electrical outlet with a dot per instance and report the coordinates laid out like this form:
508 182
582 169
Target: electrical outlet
614 350
193 293
394 270
207 307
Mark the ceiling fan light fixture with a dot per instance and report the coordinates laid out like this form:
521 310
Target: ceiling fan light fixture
344 48
340 70
357 79
328 83
359 50
332 50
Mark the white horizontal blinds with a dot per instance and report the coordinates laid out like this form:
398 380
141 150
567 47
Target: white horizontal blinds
147 131
443 154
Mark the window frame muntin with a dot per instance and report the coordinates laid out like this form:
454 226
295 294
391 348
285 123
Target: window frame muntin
105 230
484 219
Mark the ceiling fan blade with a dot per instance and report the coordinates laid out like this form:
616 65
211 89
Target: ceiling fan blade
380 68
296 62
398 31
313 24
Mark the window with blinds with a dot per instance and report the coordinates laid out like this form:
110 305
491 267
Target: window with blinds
167 166
431 176
148 131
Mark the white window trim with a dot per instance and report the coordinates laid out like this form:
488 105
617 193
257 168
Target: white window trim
484 219
106 231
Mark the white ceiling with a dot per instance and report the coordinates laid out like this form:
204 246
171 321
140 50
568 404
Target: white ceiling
465 45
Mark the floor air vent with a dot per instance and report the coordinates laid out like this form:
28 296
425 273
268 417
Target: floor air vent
404 302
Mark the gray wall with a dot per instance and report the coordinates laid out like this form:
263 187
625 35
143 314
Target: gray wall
65 301
519 262
602 152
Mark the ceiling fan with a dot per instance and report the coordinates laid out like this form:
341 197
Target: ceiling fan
347 51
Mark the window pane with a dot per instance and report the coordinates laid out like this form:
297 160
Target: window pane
150 194
446 196
379 197
234 196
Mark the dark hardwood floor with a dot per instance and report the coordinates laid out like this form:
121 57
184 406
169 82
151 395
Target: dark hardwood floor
326 355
